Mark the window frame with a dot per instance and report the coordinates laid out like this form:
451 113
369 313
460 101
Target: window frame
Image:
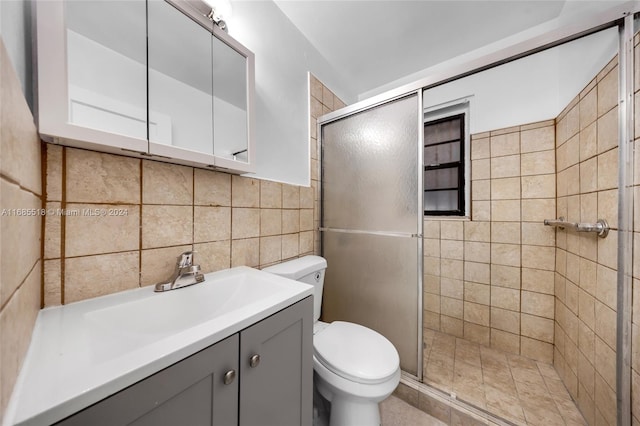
441 113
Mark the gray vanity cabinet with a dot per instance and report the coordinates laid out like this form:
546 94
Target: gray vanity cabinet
276 369
260 376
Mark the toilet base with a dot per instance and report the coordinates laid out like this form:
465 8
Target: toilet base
346 412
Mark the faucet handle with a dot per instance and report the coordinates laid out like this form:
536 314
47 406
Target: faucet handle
185 260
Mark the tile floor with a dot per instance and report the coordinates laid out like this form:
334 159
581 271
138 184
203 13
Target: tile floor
396 412
513 387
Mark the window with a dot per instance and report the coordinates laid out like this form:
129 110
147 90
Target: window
444 166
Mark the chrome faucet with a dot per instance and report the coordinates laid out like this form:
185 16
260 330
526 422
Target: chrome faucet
186 274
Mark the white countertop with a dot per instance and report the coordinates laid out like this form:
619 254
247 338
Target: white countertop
82 352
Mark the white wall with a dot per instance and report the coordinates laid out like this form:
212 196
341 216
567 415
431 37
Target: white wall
531 89
283 57
15 28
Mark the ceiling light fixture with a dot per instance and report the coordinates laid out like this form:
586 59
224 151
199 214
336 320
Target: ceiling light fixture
220 10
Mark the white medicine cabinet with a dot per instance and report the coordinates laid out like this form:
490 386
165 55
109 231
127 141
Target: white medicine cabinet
151 78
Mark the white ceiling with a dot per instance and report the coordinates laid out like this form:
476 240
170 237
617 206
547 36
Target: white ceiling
373 43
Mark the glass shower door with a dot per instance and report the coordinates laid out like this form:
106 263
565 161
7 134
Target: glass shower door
371 223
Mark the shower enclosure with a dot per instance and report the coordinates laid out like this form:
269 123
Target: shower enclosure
487 306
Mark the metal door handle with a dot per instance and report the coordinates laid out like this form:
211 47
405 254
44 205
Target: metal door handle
254 361
229 377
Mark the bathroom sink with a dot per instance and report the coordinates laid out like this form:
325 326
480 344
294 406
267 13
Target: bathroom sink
82 352
164 314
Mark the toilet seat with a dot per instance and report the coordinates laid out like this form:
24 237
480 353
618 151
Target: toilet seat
356 353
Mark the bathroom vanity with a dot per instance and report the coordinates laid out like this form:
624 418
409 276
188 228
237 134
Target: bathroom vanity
233 350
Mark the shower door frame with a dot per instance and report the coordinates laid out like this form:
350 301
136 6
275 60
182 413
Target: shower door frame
620 17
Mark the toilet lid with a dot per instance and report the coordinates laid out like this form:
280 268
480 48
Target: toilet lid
356 353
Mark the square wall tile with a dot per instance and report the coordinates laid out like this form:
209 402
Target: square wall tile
506 144
290 196
477 231
535 349
164 183
306 242
505 276
505 254
214 256
539 139
245 252
211 224
94 230
270 194
270 222
245 192
502 167
538 304
245 223
505 232
480 148
270 249
505 211
539 186
608 170
477 272
481 190
290 221
505 189
505 341
94 177
538 280
92 276
211 188
164 226
505 298
505 320
538 163
538 257
290 246
452 230
537 328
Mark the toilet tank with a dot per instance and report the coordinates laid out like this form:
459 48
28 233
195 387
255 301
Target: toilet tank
307 269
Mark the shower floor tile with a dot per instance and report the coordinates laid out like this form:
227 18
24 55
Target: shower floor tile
518 389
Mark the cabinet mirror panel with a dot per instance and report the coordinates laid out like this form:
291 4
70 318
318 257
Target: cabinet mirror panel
180 80
229 102
106 66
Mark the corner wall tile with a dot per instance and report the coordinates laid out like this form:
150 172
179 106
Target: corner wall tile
94 177
93 276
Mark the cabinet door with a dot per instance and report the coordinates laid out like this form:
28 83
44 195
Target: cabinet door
191 392
277 389
180 85
92 73
232 103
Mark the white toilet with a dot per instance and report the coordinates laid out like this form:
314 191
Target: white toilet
354 367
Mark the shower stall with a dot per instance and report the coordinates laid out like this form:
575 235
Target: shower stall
434 198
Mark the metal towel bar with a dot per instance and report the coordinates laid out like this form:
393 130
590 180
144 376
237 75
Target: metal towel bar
601 227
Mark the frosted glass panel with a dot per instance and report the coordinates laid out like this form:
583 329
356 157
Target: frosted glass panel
370 169
372 280
107 74
180 78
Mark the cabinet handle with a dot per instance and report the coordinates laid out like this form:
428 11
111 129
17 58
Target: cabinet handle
229 377
254 361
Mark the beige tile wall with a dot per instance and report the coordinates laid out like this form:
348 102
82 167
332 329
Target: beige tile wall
585 277
130 218
20 250
489 278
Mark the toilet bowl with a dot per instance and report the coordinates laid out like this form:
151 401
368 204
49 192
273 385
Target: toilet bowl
354 367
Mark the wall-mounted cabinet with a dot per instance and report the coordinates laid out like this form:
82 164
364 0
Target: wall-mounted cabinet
145 78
